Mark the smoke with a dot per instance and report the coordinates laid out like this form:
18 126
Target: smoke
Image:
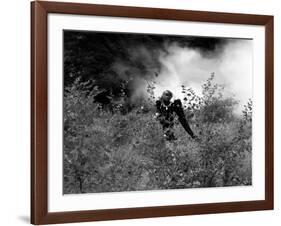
125 63
231 63
173 63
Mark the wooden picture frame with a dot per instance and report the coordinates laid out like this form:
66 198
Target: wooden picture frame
39 112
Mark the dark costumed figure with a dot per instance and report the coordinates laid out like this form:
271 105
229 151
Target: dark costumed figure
166 111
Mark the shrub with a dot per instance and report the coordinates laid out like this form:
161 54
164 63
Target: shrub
113 148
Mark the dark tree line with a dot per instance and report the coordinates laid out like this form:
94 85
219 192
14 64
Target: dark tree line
115 61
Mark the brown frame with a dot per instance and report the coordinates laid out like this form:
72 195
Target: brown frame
39 109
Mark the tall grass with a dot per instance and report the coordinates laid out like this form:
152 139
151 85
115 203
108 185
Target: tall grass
112 150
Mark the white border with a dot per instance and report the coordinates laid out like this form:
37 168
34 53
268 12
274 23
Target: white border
59 202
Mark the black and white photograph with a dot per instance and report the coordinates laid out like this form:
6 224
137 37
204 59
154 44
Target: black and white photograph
155 112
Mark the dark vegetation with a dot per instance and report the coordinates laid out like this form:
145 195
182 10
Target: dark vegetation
116 58
123 150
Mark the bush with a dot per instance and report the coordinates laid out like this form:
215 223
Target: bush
112 149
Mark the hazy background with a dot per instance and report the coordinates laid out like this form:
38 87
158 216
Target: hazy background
121 62
231 63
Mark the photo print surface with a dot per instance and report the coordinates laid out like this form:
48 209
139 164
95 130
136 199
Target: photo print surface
154 112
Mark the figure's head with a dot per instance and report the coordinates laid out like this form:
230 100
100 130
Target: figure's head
167 95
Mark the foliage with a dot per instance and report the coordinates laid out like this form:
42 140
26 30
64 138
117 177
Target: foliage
110 149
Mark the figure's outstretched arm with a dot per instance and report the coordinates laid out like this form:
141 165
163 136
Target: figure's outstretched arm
179 111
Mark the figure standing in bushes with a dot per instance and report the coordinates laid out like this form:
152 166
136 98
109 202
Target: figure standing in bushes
166 110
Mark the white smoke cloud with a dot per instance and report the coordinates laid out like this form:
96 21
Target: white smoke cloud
232 65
